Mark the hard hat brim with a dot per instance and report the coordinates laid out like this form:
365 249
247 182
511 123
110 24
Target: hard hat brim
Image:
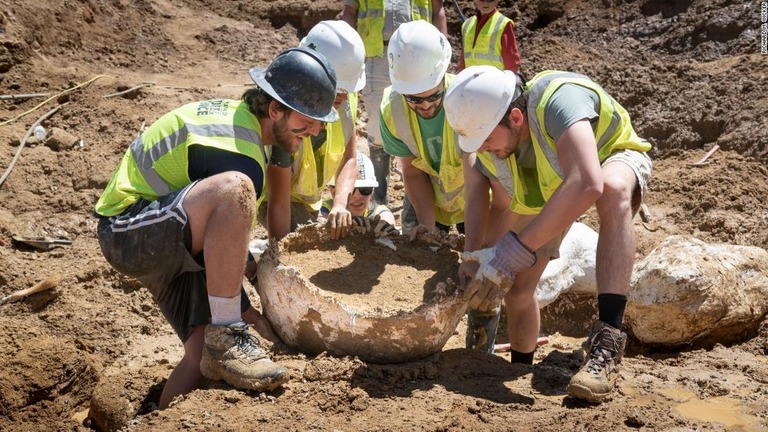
258 75
471 144
366 183
353 86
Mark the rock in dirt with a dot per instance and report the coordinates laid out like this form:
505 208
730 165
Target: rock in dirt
59 139
689 292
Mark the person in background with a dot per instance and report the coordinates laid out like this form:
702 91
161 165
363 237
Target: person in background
488 38
295 181
414 129
178 211
560 145
376 21
361 204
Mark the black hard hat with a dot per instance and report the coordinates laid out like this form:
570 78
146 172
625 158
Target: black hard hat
301 79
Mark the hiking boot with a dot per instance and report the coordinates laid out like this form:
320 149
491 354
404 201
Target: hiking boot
597 376
481 329
233 355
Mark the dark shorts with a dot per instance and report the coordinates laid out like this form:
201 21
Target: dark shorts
150 241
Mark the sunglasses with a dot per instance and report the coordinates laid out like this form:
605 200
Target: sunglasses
364 191
431 98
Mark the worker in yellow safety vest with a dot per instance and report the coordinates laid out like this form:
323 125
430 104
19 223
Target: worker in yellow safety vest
376 22
414 129
559 144
178 211
488 38
295 181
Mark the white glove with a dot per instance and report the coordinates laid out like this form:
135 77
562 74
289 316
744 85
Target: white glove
486 271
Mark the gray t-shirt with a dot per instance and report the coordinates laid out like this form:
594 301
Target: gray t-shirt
569 104
396 12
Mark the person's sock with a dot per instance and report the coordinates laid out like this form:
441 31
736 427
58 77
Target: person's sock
523 358
225 310
611 309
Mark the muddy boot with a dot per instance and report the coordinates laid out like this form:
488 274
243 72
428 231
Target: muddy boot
233 355
597 376
481 329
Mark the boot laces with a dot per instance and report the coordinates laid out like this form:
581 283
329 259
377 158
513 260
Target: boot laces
247 343
604 345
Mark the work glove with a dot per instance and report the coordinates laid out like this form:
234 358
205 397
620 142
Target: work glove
487 288
497 269
376 226
483 295
383 228
361 225
485 271
511 256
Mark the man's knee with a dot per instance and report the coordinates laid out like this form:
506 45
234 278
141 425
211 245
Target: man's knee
617 194
519 295
235 188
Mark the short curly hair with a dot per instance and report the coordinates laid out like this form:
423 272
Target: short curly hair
258 102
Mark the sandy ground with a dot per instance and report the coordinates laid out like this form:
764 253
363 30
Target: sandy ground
689 72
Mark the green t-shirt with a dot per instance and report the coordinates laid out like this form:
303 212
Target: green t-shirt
431 136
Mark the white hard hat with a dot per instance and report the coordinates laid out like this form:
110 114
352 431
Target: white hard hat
418 57
344 49
476 101
366 177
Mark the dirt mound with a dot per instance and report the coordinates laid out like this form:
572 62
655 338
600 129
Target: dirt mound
689 73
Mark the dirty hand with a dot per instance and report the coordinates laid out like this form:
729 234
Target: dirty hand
509 258
383 228
417 231
260 324
339 222
484 295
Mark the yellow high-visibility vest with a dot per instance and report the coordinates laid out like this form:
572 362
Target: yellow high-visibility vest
370 22
312 170
530 189
487 48
156 162
448 182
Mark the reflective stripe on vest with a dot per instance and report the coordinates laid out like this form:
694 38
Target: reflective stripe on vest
156 162
370 22
507 173
448 183
311 171
613 132
486 50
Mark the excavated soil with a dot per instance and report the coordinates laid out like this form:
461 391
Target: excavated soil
372 278
95 350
